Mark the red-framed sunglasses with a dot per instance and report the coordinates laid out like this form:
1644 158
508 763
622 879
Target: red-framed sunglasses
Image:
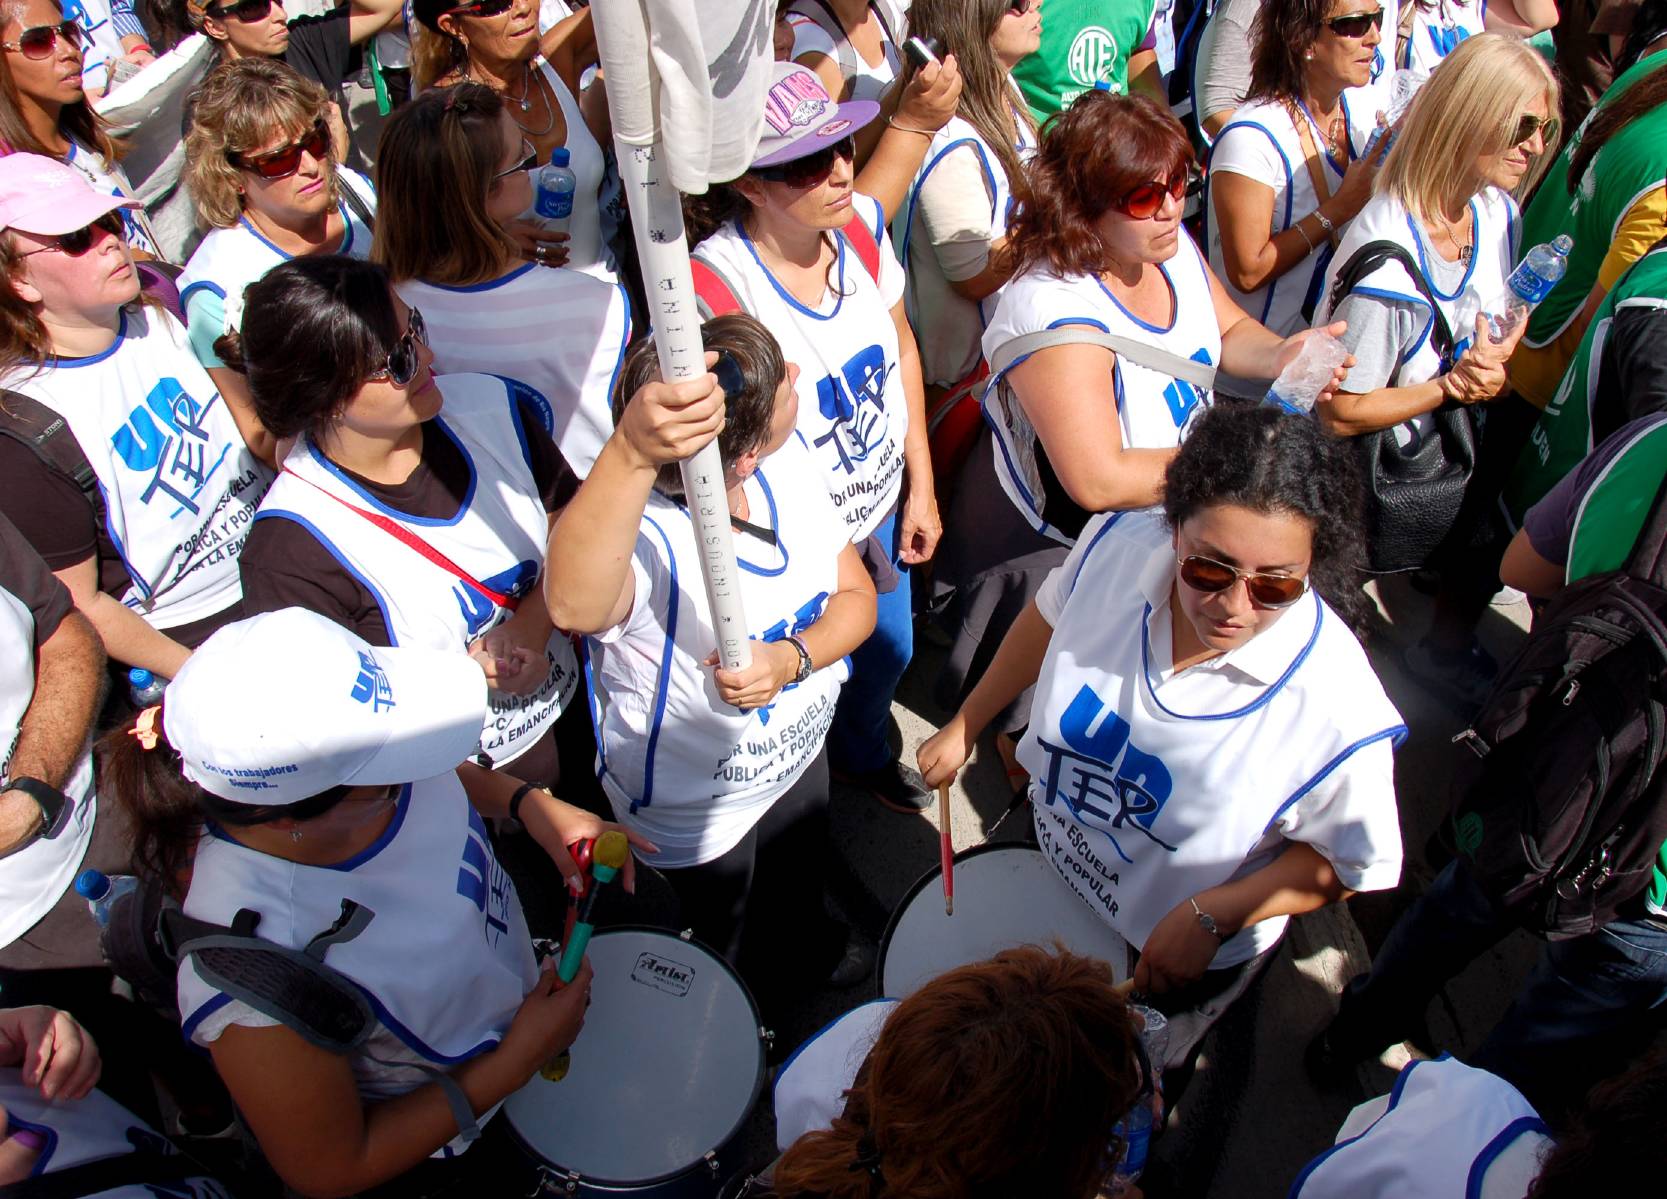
285 160
1266 590
812 168
482 8
39 41
1144 201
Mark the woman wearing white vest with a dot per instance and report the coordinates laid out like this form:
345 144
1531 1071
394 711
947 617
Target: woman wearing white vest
1080 429
1209 749
449 171
792 243
1290 171
1440 26
349 796
175 479
413 508
264 177
724 770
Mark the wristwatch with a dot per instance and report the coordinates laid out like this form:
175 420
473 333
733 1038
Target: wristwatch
54 804
1206 921
805 664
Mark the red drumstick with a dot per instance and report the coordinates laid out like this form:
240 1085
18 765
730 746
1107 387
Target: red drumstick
946 850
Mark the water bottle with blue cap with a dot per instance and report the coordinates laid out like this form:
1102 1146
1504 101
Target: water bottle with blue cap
1530 283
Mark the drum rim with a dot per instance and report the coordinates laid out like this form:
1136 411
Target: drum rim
919 885
735 1131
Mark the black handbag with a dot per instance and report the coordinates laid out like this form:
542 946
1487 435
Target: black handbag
1415 492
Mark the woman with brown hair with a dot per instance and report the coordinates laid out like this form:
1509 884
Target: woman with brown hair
1002 1078
44 111
449 174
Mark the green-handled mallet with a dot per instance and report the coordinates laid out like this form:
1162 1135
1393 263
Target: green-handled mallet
607 859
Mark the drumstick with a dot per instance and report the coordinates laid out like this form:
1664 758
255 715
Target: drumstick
607 856
946 850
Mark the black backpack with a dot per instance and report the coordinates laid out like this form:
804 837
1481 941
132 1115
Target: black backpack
1563 814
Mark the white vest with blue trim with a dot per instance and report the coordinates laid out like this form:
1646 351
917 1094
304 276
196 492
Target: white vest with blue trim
811 1084
1437 32
1447 1129
180 486
1139 805
498 535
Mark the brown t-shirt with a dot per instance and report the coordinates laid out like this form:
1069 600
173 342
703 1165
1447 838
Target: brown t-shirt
24 575
55 516
284 566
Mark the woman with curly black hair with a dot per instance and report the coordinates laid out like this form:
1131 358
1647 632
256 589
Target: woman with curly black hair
1209 749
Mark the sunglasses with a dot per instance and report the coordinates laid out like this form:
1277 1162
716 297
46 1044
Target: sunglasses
527 162
1266 590
1020 7
41 40
1355 25
483 8
1529 124
402 359
246 11
1144 201
78 241
813 168
286 160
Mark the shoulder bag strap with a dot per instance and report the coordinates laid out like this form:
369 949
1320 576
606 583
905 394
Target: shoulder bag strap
106 1174
400 533
1648 559
354 201
1403 30
713 291
1311 158
1188 370
1374 254
47 435
827 20
864 244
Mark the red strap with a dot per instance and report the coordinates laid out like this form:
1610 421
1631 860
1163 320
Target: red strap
864 244
400 533
711 290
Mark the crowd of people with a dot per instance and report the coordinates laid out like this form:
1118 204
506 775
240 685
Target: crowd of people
352 607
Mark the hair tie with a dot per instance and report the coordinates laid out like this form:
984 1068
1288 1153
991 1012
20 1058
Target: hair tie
144 728
868 1156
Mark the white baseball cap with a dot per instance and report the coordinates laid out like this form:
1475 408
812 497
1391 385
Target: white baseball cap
286 705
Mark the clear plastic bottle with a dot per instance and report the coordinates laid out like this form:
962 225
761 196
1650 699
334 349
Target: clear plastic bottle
1532 281
553 188
144 688
1305 376
1135 1129
102 891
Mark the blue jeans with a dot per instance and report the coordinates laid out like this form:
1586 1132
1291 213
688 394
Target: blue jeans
1589 1006
857 742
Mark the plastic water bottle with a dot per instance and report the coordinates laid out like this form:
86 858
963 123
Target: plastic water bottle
1530 283
144 688
1135 1129
1305 376
101 891
554 185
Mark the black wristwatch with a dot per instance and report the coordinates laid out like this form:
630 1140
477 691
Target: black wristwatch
54 804
805 664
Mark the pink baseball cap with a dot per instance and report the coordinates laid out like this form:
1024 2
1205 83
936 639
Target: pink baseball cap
43 196
800 117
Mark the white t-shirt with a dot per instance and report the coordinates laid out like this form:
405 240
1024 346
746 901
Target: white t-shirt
852 410
871 80
110 179
1262 143
1153 409
561 333
1445 1129
445 962
180 486
1149 786
1437 32
811 1084
228 260
679 765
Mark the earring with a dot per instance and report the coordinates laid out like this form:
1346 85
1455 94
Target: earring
294 834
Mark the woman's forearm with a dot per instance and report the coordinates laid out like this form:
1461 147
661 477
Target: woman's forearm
588 562
131 640
844 624
1349 415
1017 665
1299 880
891 168
1250 350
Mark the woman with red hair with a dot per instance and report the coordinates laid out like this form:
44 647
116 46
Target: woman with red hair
1079 428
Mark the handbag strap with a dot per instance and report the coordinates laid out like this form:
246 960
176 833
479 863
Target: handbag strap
400 533
1374 254
106 1174
352 198
1188 370
1311 157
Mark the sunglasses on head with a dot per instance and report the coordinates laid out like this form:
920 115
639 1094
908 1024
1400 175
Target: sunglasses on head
1144 201
1354 25
1266 590
41 40
285 160
402 359
78 241
246 11
1529 124
811 169
482 8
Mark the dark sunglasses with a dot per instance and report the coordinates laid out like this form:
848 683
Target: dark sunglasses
285 160
78 241
483 8
1144 201
246 11
1020 7
402 359
1355 25
811 169
1529 124
41 40
1266 590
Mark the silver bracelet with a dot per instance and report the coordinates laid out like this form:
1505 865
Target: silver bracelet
1297 225
1206 921
1330 229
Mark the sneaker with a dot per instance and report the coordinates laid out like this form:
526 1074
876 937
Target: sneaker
895 785
1508 597
856 965
1464 678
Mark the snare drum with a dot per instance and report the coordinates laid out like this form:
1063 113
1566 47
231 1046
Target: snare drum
1005 895
663 1077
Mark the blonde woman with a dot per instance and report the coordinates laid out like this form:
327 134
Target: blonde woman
263 174
1476 133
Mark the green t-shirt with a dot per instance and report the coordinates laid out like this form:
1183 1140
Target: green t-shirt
1084 42
1631 163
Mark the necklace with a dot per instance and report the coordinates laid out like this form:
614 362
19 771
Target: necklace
524 101
1466 248
1334 131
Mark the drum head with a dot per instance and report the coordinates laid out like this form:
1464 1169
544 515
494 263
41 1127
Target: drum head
666 1070
1005 895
